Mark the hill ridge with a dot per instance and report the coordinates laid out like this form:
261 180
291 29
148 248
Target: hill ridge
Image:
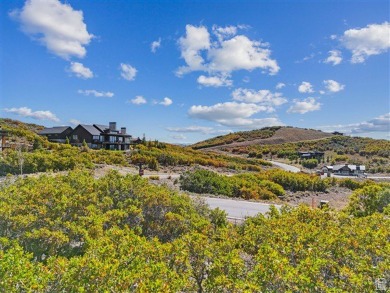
267 136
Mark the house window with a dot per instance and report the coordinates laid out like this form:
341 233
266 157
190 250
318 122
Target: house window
74 136
96 137
101 138
120 139
112 139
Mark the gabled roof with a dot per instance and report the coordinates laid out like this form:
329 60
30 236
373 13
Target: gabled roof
91 129
350 167
54 130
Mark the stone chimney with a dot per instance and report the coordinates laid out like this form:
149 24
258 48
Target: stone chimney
123 130
112 126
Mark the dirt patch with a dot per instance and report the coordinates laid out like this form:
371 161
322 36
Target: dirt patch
338 197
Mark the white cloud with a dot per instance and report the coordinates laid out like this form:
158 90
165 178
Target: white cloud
224 32
377 124
74 122
178 136
304 106
280 85
371 40
166 102
155 45
334 57
138 100
263 97
223 111
57 26
228 53
96 93
27 112
188 129
241 53
232 114
248 123
196 39
305 87
128 72
215 81
333 86
80 70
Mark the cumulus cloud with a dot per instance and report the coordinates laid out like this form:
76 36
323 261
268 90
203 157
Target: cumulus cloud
280 85
96 93
304 106
138 100
224 32
377 124
241 53
253 123
128 72
196 39
27 112
334 57
166 102
232 114
57 26
305 87
215 81
229 52
155 45
224 111
178 136
371 40
263 97
80 70
333 86
190 129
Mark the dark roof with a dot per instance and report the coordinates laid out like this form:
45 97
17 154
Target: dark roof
54 130
91 129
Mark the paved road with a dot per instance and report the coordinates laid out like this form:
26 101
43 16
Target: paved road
286 167
238 209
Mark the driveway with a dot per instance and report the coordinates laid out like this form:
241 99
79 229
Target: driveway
286 167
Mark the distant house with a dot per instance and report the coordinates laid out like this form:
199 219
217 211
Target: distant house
311 155
96 136
102 137
337 133
57 134
349 170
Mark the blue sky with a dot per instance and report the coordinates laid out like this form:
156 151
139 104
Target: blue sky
184 71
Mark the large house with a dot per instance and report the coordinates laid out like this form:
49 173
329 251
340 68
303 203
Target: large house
346 170
311 155
96 136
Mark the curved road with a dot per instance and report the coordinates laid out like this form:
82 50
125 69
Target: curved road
286 167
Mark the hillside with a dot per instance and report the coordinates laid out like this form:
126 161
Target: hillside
264 136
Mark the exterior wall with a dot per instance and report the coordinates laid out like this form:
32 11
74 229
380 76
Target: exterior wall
82 134
343 171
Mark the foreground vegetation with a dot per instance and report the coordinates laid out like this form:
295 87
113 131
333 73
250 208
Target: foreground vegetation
76 233
265 185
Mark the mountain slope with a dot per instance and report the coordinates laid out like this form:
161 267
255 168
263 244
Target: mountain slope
264 136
